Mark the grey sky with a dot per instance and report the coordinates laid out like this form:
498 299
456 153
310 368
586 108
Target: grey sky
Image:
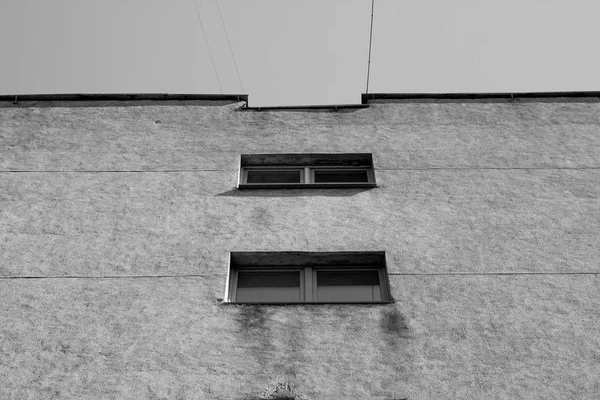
292 52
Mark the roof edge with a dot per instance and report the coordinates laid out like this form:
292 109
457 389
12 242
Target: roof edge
365 97
121 97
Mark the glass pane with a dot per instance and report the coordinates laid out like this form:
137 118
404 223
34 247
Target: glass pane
268 287
325 176
335 286
268 279
268 295
347 278
274 176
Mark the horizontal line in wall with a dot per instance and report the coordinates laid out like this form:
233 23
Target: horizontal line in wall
118 171
223 275
112 276
488 273
377 169
485 168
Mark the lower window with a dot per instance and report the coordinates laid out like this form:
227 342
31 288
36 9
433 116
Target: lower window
292 277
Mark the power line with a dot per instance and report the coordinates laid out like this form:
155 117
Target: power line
370 42
207 45
229 43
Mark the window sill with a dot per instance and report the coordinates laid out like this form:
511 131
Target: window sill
307 304
306 186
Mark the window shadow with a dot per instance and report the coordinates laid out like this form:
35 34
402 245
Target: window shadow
342 192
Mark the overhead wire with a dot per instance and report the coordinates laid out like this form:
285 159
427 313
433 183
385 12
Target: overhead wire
230 48
208 46
370 43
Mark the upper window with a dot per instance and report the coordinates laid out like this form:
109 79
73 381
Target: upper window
263 171
292 277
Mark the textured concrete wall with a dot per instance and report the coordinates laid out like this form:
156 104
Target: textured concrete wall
489 213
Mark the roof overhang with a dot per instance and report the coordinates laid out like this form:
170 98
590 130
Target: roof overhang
476 96
15 98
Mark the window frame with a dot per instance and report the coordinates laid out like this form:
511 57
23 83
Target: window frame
245 170
312 170
309 283
307 164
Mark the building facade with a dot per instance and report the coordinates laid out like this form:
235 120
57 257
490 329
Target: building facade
119 216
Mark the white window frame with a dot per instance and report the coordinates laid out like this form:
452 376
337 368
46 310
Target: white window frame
308 283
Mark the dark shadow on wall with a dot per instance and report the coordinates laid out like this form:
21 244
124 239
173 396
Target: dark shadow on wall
393 325
294 340
278 347
255 329
294 192
395 350
281 364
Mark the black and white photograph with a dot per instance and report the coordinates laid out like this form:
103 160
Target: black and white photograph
299 200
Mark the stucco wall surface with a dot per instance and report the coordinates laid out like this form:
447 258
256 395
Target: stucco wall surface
468 337
185 222
519 134
489 214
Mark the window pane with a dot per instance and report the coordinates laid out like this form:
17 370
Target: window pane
347 278
268 287
274 176
268 279
348 286
325 176
268 295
